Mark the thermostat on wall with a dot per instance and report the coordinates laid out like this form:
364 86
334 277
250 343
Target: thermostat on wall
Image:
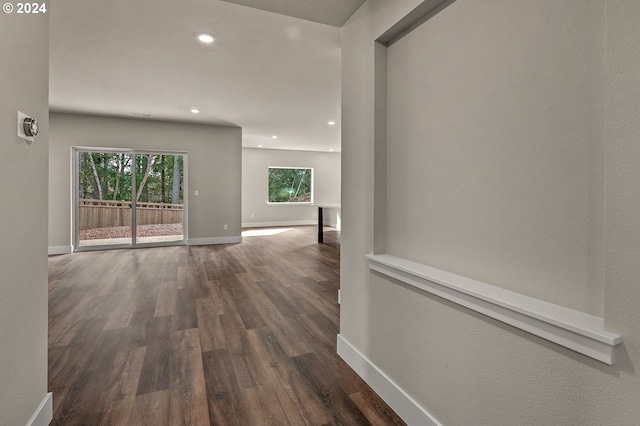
27 127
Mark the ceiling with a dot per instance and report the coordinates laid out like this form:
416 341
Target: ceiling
270 73
330 12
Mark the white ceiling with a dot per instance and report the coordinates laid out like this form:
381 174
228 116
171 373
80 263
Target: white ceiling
330 12
269 73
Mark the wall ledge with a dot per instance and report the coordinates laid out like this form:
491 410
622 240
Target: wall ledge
572 329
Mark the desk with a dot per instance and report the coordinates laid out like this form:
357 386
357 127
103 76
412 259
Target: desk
321 207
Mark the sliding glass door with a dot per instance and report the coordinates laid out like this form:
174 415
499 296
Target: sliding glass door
128 198
159 207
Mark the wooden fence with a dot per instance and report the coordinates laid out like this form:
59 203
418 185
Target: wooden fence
110 213
304 198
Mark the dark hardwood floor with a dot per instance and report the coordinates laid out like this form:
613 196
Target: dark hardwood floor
241 334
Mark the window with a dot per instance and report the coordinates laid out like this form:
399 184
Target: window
290 185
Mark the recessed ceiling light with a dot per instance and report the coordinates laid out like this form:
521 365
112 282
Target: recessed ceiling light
331 150
274 137
195 111
206 38
259 146
331 123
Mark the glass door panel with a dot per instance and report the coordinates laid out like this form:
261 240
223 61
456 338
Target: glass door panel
104 211
159 206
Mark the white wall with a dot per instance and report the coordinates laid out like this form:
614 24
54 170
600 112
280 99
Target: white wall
255 185
495 147
459 366
24 86
214 168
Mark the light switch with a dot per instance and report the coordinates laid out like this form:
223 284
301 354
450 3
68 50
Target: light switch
196 193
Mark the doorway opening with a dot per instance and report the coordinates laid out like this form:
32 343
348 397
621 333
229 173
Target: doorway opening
126 198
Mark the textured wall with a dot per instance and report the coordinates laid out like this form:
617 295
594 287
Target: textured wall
214 162
255 184
24 86
495 146
461 367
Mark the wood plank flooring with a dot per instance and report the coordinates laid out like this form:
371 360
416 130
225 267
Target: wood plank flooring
240 334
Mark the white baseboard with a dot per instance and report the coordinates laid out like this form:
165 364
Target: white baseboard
286 223
54 250
332 225
44 413
404 406
213 240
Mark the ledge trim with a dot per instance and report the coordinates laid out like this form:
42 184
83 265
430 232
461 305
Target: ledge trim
573 329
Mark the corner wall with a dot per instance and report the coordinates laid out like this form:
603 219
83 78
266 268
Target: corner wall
495 147
24 86
214 168
459 366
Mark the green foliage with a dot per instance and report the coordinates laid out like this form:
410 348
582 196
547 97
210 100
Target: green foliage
115 170
288 185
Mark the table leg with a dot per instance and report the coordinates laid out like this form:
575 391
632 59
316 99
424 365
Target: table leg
320 226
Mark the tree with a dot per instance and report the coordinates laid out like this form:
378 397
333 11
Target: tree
163 170
109 176
304 173
146 176
98 185
118 172
289 184
175 190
